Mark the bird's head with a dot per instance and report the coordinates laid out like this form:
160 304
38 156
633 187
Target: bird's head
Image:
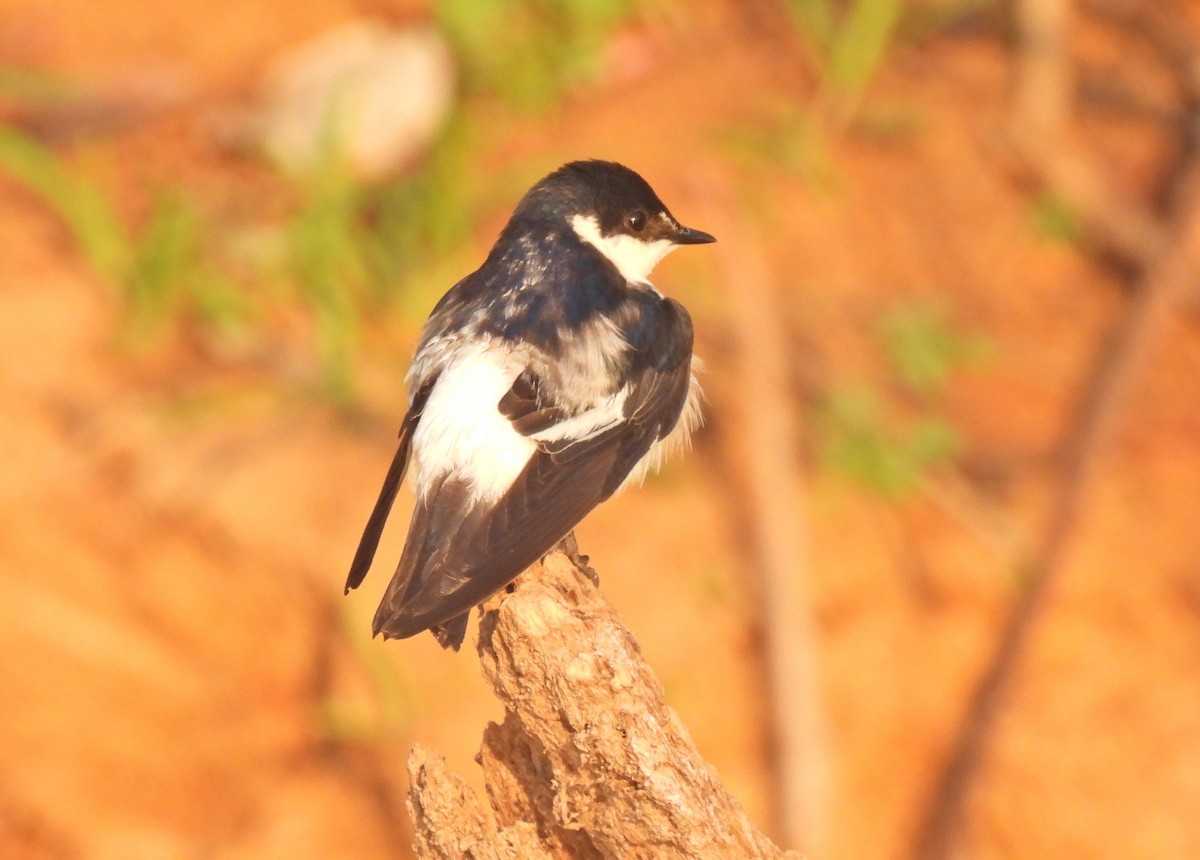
613 209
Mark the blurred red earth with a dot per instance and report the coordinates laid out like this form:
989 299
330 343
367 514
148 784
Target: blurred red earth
182 676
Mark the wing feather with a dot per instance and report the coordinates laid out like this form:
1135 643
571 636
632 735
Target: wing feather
461 550
449 568
369 542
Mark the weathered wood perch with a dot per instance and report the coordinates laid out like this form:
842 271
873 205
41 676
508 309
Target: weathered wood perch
590 762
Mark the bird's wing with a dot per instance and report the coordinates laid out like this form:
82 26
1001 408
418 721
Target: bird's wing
387 494
458 554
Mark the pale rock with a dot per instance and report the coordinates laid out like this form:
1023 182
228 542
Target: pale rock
377 94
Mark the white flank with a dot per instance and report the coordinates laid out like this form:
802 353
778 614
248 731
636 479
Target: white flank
462 432
633 258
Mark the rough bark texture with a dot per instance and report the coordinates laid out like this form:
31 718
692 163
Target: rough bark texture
590 762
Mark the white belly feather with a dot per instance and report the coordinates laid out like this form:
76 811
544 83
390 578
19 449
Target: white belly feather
462 431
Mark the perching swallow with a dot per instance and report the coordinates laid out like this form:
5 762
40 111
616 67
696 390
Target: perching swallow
544 382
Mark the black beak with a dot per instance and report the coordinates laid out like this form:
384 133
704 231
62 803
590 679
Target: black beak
688 236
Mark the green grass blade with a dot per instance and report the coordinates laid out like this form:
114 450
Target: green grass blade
860 44
92 222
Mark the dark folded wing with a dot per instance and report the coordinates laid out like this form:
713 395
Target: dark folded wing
387 495
451 565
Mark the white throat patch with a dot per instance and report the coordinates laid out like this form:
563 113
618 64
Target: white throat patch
633 258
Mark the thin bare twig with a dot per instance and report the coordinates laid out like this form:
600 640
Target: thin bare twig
1168 252
1113 378
1043 99
769 442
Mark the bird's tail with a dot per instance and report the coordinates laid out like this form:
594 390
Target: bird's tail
452 633
387 495
436 518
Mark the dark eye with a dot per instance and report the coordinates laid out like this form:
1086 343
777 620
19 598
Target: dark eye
636 221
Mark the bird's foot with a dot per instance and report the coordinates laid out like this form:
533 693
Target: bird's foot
569 547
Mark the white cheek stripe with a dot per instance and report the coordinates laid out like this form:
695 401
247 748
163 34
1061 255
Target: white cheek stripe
634 259
462 432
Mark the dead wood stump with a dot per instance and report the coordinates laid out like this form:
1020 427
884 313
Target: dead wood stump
589 762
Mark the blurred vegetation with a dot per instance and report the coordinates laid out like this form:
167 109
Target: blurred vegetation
871 438
924 349
848 42
530 52
34 85
346 248
173 275
394 700
1055 221
353 248
94 225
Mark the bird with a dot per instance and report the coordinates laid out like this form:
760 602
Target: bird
543 382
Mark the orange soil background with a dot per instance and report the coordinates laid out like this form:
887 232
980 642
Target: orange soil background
182 678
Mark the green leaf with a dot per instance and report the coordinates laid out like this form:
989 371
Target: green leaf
862 40
924 350
1055 221
816 20
933 442
530 51
860 440
92 222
